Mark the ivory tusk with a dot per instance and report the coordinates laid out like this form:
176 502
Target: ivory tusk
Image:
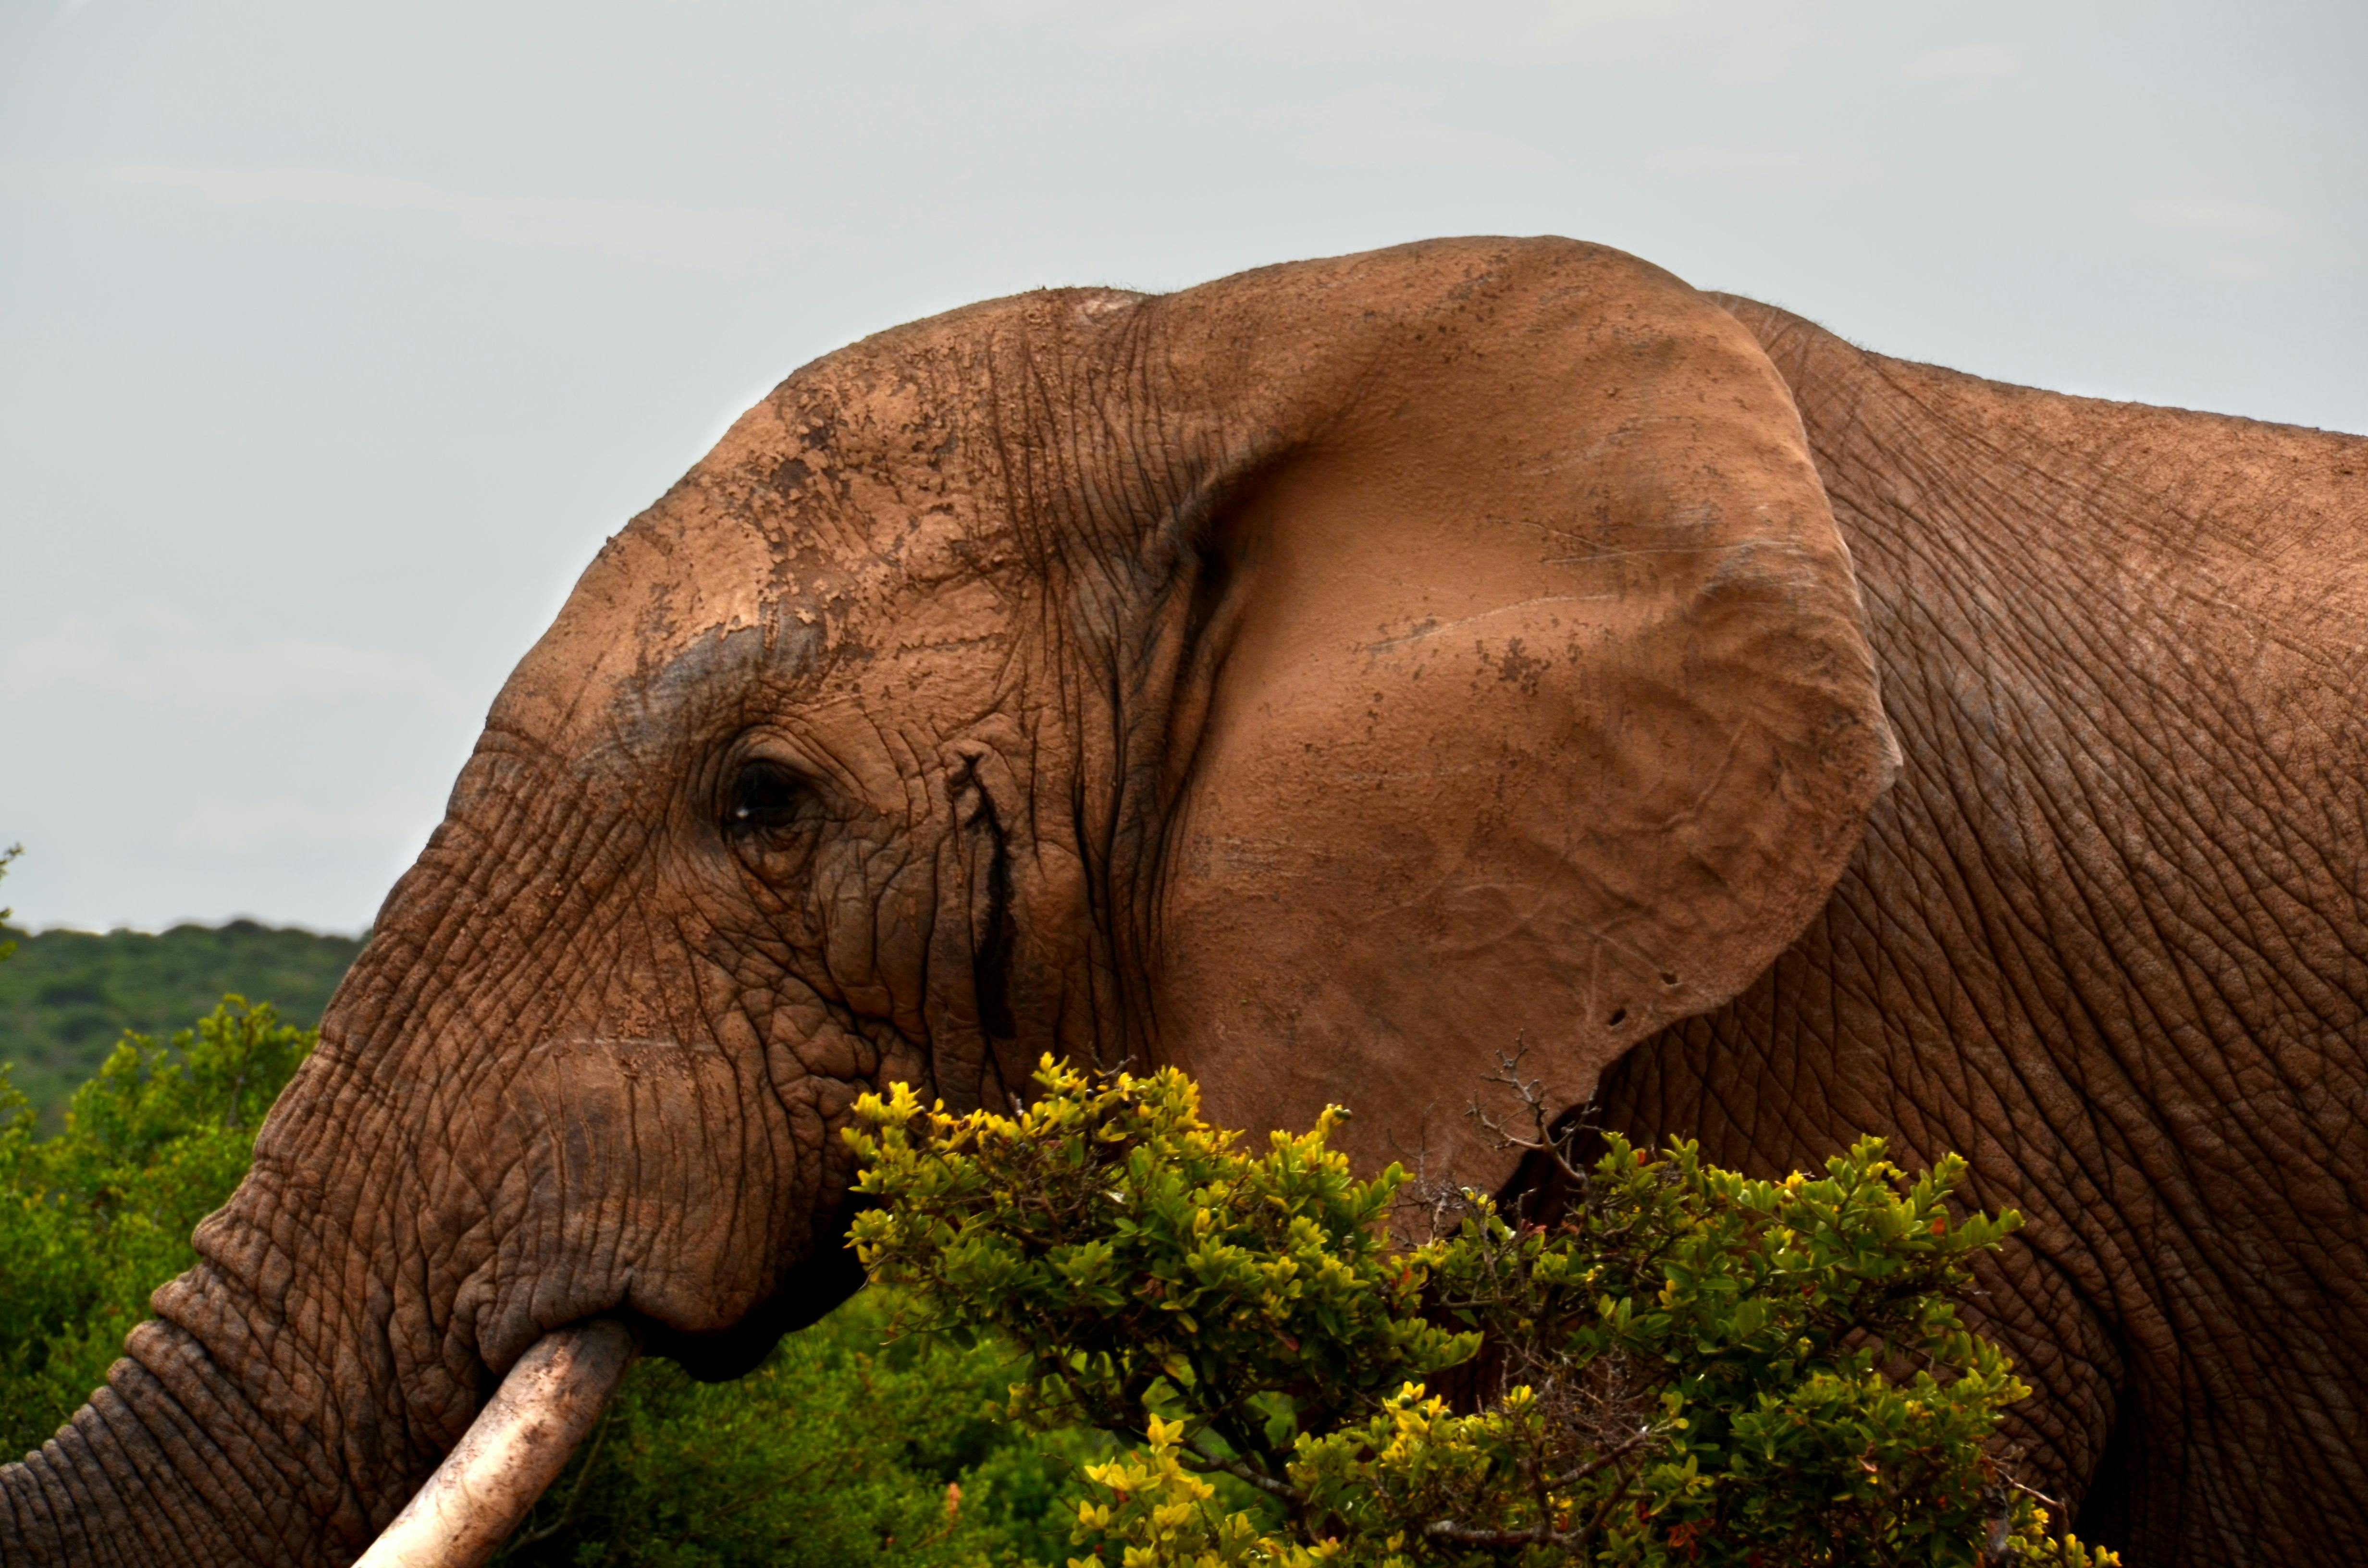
517 1447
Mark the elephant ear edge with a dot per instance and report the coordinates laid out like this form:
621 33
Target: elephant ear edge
1539 713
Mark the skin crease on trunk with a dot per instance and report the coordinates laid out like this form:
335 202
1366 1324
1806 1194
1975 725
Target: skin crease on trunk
1321 679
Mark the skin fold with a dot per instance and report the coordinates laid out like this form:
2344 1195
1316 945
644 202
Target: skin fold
1323 679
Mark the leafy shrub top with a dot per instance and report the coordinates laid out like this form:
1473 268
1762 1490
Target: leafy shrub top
1691 1366
94 1219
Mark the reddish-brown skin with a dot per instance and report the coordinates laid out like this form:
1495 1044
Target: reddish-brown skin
2107 934
1323 679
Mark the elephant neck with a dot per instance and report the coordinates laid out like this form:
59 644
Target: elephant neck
2104 937
2120 647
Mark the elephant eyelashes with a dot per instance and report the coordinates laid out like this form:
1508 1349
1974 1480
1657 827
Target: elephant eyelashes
766 801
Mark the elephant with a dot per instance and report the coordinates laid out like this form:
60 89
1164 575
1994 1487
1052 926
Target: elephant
1323 679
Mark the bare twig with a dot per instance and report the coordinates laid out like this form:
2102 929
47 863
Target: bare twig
1541 1534
1548 1136
1643 1434
1251 1473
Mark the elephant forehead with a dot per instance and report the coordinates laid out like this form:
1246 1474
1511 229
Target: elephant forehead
837 520
652 598
675 633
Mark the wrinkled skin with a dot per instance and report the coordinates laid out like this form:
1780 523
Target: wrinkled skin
1323 679
2106 934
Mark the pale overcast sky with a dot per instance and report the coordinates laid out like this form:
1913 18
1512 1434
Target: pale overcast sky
334 337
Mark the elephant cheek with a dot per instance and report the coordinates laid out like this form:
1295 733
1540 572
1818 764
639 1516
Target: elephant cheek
642 1181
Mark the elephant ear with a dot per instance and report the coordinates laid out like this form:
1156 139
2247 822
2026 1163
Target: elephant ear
1528 704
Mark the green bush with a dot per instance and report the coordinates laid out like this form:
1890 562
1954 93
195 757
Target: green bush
94 1219
1696 1367
838 1449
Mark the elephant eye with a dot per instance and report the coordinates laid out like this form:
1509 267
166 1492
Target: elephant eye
765 798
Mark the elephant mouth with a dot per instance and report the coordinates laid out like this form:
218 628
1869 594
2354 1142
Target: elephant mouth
804 1295
555 1393
515 1448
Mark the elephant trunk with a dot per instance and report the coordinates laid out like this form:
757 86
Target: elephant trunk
295 1385
516 1448
291 1392
145 1474
170 1462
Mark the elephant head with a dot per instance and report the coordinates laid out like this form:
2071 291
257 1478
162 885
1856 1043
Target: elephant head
1321 679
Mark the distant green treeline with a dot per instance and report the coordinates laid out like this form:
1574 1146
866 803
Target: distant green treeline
67 996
